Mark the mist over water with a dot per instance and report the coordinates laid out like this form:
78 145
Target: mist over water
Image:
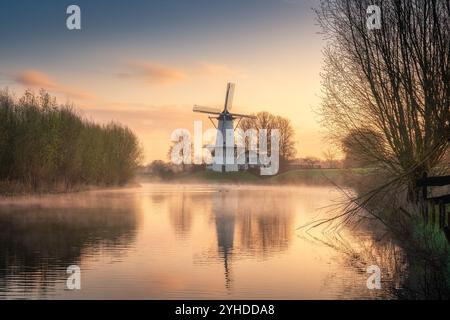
180 241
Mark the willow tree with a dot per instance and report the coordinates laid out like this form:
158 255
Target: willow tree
393 81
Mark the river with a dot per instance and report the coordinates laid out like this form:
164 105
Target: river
179 242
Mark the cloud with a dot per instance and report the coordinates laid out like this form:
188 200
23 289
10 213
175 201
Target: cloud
154 73
37 79
146 117
159 74
34 78
213 69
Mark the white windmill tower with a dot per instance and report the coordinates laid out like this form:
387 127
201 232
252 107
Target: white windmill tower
225 124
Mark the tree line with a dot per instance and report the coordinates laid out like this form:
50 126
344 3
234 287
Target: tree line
44 144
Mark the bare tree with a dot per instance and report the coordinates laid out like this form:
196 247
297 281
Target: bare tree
394 82
266 120
330 158
287 138
312 162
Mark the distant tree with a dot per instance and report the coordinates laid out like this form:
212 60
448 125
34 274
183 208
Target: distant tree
287 138
160 169
330 157
266 120
311 162
181 154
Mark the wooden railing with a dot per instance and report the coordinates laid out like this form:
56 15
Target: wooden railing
432 216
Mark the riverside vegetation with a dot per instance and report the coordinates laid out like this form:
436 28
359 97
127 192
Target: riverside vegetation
46 146
386 100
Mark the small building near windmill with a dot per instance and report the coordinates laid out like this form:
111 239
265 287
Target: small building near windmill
237 165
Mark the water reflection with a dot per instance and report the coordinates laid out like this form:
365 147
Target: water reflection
165 242
180 210
261 227
224 212
41 237
245 226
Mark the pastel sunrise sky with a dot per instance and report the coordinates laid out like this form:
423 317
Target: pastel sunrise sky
146 63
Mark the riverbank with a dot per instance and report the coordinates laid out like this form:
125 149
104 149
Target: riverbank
341 177
16 189
292 177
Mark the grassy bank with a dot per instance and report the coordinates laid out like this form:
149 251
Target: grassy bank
292 177
46 146
425 272
428 252
330 176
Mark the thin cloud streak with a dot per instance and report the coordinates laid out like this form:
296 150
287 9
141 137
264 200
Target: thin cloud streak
213 69
160 74
153 73
38 79
153 124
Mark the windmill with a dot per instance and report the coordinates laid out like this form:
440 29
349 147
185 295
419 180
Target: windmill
225 124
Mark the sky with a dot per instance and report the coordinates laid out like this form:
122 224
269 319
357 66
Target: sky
146 63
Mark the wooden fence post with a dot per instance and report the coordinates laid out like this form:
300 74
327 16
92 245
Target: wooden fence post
424 198
441 214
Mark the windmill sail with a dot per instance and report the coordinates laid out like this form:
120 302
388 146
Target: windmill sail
238 115
207 110
229 96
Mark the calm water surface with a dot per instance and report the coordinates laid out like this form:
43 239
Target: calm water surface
177 242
